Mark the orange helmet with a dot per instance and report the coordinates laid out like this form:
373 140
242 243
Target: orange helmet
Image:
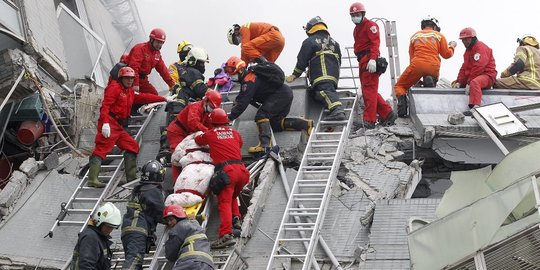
158 34
174 210
126 72
234 65
357 7
214 98
124 58
467 33
219 117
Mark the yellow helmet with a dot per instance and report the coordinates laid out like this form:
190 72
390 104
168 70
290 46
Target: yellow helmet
184 46
528 40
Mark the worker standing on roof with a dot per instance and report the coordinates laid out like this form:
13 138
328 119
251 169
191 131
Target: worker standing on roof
366 49
145 56
93 248
187 246
144 212
257 39
478 70
225 146
113 74
425 46
321 53
191 119
113 117
273 102
526 67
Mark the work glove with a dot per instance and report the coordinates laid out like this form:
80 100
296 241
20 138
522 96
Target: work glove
455 84
452 44
222 81
290 78
136 88
467 90
371 66
505 74
171 98
148 107
106 130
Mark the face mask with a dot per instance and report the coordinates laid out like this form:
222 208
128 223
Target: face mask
357 20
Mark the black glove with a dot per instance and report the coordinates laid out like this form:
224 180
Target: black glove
150 242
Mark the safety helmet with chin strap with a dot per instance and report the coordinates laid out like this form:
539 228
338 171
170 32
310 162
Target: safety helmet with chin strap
233 35
315 24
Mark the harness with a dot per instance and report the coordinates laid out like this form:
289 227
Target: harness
189 242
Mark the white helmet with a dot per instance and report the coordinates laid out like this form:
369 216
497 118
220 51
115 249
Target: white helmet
108 213
232 35
196 54
431 20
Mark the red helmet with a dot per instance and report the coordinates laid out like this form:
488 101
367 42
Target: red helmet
124 58
219 117
357 7
234 65
214 98
158 34
126 72
174 210
467 33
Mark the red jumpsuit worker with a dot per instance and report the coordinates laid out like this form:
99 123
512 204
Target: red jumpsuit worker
225 145
258 39
114 112
425 46
366 48
193 118
478 70
145 56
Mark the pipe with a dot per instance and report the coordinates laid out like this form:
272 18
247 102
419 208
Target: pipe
11 90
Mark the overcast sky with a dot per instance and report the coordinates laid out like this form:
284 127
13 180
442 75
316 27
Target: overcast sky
206 22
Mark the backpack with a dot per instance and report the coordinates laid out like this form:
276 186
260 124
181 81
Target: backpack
270 72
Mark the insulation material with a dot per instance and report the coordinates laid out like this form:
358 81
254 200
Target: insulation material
197 169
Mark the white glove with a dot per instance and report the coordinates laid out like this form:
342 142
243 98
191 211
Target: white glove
290 78
467 90
171 98
106 130
371 66
452 44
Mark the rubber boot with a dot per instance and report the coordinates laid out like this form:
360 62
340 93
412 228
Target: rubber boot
402 106
429 81
390 119
337 114
265 135
297 124
130 166
93 172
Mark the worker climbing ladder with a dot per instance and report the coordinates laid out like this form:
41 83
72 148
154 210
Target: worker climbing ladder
312 187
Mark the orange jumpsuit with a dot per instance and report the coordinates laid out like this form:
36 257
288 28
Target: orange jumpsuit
261 39
424 50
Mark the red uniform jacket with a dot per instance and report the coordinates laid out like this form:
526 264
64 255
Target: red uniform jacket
366 38
477 60
118 100
193 117
225 143
142 59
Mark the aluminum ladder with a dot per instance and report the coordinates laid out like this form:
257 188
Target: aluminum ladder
312 187
84 200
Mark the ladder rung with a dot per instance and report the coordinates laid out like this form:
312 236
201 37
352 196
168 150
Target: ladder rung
317 167
315 172
299 229
299 224
321 154
328 133
307 199
114 156
134 126
290 255
320 158
78 211
324 141
334 122
311 180
85 199
296 214
295 239
109 166
303 209
311 185
347 98
70 222
308 194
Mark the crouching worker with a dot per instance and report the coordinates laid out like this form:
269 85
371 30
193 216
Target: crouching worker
113 116
187 246
143 212
225 145
92 250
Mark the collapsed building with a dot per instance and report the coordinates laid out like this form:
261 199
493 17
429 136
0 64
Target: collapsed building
380 190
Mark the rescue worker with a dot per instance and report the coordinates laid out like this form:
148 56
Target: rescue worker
113 74
321 53
425 46
114 113
145 56
187 246
478 69
191 119
93 248
366 49
175 68
275 104
526 67
225 146
257 39
144 211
